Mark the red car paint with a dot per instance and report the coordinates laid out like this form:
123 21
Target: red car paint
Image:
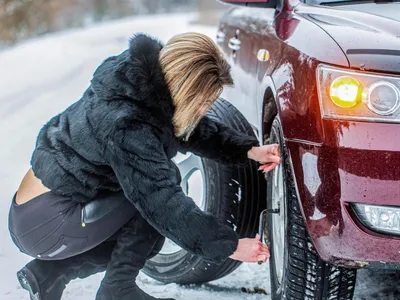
335 162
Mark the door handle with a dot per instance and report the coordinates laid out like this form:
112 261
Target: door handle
234 44
220 37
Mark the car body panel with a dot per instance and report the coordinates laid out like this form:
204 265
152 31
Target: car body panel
333 228
285 37
335 162
350 167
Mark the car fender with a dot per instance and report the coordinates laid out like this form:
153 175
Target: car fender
268 86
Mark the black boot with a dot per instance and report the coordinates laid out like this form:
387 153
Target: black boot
137 242
46 280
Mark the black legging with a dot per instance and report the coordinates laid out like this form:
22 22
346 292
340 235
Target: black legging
52 227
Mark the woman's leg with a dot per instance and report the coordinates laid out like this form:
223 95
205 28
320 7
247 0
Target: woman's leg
52 227
66 237
137 242
46 279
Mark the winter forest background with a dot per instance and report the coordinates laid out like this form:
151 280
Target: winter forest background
22 19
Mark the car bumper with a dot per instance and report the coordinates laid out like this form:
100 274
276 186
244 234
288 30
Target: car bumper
358 162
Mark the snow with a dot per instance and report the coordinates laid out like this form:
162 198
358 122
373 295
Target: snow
41 77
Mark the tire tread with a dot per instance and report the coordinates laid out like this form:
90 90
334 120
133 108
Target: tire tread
246 212
319 280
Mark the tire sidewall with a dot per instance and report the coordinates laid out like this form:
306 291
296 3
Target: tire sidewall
175 266
277 289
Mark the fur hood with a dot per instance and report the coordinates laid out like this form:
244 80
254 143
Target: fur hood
136 76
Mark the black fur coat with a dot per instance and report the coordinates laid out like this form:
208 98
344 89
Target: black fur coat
119 135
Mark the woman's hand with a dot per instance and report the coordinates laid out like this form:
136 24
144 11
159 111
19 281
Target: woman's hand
251 250
267 155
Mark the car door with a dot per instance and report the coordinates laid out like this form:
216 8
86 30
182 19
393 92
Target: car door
248 38
237 38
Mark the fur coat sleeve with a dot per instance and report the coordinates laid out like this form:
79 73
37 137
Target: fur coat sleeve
152 183
219 142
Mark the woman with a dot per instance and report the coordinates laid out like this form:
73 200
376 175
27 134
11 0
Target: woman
103 192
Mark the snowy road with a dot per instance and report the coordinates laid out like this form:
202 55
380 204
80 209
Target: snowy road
42 77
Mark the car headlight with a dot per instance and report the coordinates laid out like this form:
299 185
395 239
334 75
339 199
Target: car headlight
352 95
385 219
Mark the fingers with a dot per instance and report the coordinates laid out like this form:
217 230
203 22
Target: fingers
265 252
262 258
275 159
271 167
267 167
264 247
270 159
262 252
272 149
276 155
251 250
266 154
261 246
275 149
263 166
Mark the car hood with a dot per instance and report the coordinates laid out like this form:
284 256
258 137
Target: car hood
369 34
386 10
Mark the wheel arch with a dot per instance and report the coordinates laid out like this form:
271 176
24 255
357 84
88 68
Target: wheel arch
268 107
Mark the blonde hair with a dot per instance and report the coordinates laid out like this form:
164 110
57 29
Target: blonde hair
196 72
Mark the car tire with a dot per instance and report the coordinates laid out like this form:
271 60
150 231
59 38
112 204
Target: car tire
298 273
232 194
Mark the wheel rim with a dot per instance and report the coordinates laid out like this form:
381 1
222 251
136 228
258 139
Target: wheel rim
193 184
278 220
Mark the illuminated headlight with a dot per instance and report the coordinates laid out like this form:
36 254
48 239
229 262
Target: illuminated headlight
384 219
345 94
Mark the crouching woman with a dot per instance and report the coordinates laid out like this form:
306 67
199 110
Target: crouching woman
103 192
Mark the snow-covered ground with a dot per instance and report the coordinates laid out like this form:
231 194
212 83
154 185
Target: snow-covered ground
40 78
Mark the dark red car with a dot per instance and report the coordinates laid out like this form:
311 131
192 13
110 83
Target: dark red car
322 79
